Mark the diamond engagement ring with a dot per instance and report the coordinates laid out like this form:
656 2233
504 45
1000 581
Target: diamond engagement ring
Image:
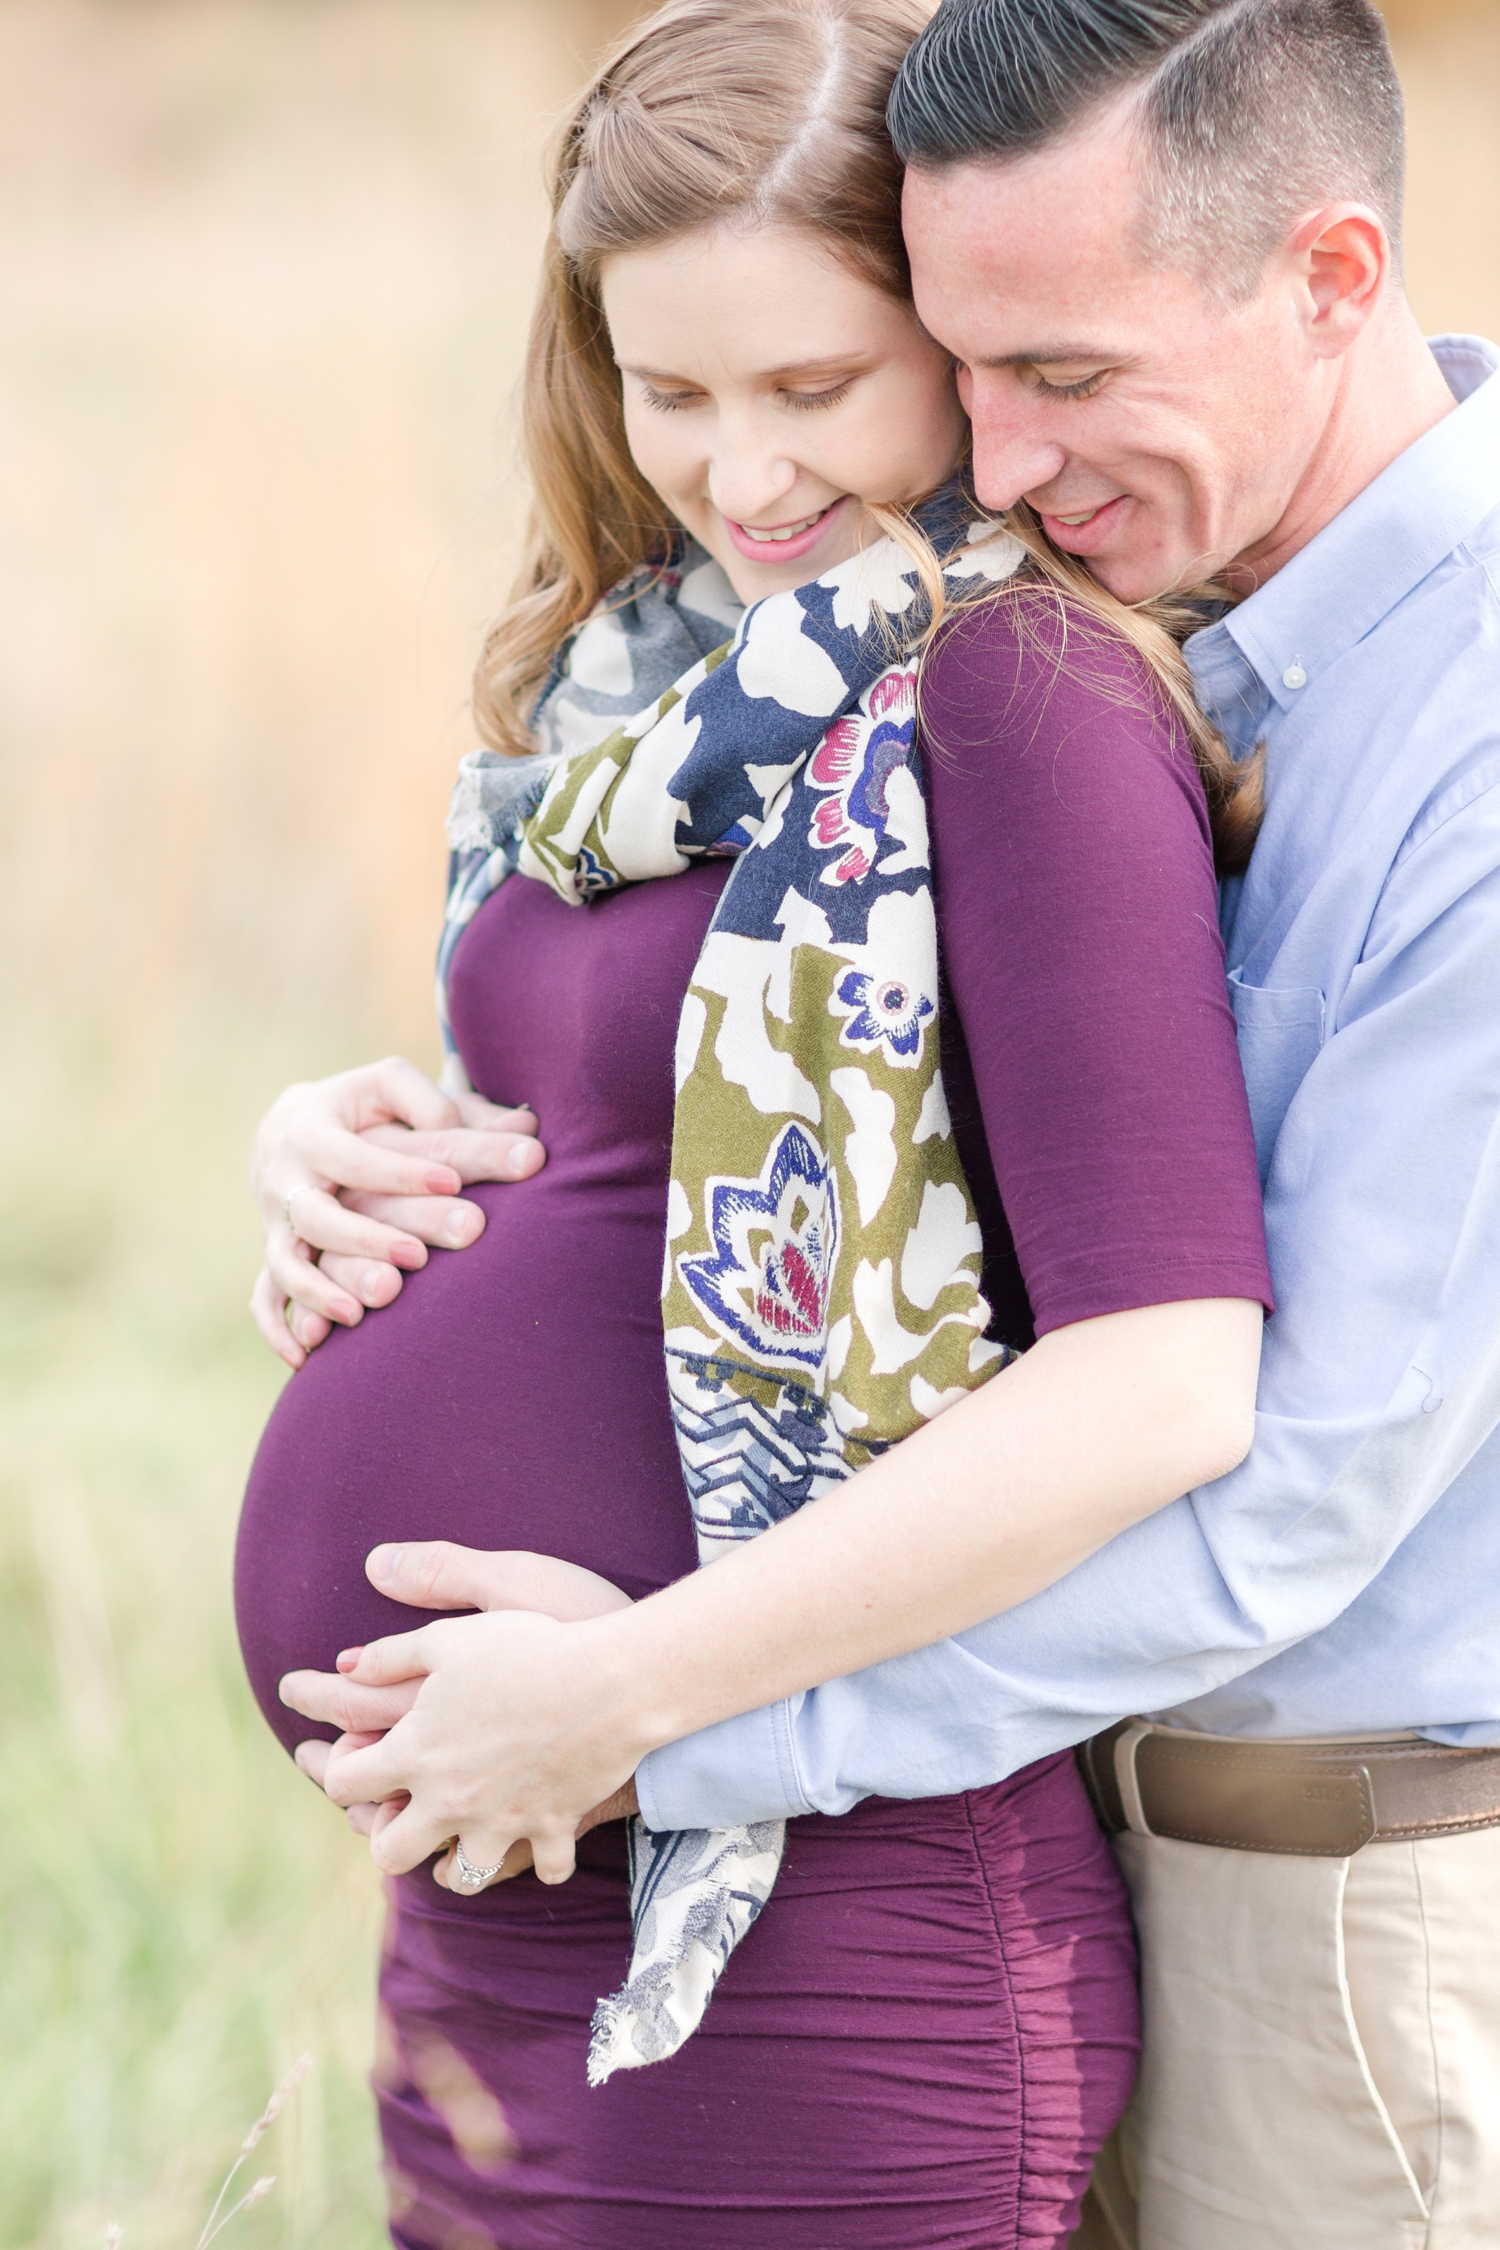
468 1874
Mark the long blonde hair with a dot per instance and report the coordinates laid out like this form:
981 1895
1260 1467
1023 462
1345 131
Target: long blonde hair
772 111
1155 630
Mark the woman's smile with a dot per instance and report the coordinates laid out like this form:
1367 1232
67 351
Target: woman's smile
787 542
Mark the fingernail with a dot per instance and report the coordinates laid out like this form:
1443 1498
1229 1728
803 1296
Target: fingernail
371 1281
410 1256
443 1182
347 1658
520 1160
345 1309
385 1562
456 1232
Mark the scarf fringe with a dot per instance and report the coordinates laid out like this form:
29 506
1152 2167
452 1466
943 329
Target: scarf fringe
694 1894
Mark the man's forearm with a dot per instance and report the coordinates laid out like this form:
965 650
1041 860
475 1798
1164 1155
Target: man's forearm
1100 1425
1145 1624
1214 1587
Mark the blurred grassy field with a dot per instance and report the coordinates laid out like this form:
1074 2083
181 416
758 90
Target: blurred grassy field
263 268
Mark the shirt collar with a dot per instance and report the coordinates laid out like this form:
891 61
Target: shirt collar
1388 539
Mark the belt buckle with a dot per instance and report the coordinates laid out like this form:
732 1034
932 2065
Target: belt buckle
1126 1780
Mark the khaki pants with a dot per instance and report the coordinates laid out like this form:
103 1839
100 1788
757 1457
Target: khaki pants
1321 2068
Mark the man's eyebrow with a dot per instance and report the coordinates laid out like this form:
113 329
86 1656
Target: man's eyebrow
1052 355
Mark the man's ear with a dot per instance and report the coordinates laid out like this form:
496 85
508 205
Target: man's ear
1342 258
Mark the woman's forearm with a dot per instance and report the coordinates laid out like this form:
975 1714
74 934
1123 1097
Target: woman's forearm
1095 1428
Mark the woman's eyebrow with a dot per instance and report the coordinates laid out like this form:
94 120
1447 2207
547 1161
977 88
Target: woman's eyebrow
834 363
657 375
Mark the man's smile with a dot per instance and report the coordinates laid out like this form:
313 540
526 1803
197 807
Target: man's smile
1082 530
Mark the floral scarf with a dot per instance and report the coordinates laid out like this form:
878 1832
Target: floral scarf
821 1294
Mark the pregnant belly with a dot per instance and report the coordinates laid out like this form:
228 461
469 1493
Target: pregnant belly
513 1396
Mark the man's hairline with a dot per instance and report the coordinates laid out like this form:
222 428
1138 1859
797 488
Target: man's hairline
1126 91
1123 104
1077 128
1124 99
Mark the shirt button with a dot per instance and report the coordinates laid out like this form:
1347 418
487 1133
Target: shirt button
1294 676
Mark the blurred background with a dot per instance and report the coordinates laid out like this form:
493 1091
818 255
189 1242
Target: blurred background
264 271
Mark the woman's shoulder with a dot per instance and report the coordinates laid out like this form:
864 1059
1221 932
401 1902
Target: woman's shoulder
1031 703
1077 909
1034 645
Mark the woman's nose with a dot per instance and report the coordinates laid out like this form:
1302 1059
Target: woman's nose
747 481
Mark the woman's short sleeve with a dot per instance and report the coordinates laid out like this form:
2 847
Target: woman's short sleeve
1078 915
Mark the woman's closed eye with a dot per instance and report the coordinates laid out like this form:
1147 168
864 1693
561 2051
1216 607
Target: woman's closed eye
810 401
663 401
669 402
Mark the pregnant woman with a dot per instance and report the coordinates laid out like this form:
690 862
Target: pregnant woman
875 1188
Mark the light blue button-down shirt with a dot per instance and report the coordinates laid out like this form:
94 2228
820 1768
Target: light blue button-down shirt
1345 1578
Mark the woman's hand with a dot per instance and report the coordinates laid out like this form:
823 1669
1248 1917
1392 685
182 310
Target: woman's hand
365 1168
437 1575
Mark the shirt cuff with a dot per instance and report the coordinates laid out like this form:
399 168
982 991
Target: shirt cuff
742 1770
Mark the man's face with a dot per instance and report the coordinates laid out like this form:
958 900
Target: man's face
1158 432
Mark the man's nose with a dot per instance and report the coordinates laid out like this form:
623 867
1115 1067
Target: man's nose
1013 455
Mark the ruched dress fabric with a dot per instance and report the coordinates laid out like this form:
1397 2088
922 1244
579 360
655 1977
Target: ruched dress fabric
925 2037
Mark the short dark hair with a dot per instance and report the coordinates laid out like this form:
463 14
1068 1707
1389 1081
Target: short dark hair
1252 111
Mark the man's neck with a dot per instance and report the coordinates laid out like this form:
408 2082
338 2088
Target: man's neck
1390 392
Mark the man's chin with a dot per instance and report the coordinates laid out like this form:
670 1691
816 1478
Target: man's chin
1107 551
1124 576
1115 546
1133 578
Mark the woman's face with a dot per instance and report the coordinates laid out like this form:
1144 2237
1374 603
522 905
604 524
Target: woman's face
770 394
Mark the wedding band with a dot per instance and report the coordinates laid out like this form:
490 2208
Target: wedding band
468 1874
287 1206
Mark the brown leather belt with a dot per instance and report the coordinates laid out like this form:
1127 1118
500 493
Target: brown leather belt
1319 1799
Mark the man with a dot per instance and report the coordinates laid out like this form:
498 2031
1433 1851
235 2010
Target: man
1161 238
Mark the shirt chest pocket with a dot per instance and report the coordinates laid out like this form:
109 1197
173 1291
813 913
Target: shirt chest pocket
1279 1029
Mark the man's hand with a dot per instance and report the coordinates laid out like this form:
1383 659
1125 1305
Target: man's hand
436 1575
520 1728
369 1165
367 1820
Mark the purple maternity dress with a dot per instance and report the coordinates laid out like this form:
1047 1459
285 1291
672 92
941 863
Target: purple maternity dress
922 2041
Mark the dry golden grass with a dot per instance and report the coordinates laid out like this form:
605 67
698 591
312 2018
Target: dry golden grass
263 269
